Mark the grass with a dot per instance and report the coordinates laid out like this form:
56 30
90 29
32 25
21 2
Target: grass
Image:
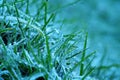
32 49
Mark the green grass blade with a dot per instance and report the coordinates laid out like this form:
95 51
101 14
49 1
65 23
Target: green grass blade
50 18
88 73
27 7
48 58
88 65
83 55
18 15
74 55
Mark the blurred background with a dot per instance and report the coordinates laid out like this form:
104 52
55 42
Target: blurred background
101 19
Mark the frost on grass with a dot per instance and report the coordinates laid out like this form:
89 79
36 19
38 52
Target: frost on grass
35 48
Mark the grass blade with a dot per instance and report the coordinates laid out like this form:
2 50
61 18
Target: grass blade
83 55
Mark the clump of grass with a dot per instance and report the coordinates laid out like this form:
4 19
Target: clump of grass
32 49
